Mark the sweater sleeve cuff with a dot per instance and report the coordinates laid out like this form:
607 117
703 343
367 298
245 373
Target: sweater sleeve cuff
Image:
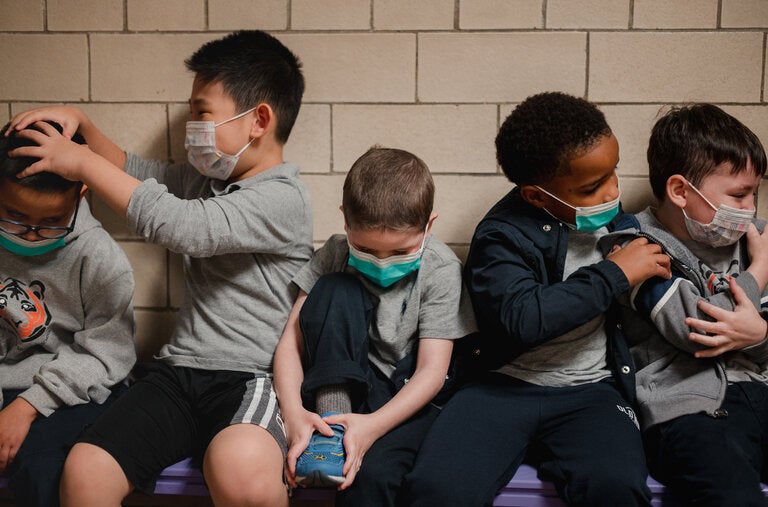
615 275
43 401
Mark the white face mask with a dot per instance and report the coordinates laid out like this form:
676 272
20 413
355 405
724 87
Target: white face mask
202 153
727 226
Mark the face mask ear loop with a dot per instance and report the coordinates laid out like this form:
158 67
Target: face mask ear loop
555 197
701 195
244 148
234 117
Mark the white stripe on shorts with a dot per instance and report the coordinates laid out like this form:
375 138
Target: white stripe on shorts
259 407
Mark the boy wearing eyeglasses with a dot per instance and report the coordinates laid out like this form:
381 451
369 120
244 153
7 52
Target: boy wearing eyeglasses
66 323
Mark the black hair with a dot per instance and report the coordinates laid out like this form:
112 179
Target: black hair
254 67
540 136
693 140
11 166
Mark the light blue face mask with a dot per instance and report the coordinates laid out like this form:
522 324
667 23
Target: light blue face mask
590 218
19 246
385 272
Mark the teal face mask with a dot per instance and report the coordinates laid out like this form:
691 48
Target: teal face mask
385 272
590 218
19 246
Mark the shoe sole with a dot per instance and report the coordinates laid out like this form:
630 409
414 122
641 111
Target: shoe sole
318 479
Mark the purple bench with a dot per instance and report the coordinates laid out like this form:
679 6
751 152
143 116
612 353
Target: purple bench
524 490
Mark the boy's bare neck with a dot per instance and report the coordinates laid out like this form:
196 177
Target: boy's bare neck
671 217
265 161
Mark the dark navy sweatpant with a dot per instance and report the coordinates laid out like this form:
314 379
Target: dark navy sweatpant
334 321
719 461
36 470
583 438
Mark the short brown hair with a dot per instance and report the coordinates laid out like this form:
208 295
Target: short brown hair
388 188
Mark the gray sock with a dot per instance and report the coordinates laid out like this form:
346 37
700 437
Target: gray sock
333 398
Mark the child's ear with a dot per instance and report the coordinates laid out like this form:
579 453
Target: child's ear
431 222
83 190
532 195
263 118
677 190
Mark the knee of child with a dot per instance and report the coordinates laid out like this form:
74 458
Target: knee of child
605 484
425 489
86 461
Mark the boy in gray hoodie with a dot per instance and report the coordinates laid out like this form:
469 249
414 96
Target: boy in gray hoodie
702 381
66 323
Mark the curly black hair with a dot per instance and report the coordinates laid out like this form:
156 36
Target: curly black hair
543 132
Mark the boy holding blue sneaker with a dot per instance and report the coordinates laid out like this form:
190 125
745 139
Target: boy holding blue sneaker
369 340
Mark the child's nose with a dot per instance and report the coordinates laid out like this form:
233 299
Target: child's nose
31 236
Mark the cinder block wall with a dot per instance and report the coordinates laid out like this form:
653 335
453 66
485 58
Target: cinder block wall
432 76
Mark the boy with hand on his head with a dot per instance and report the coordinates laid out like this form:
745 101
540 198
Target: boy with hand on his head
66 323
702 381
243 221
542 291
369 340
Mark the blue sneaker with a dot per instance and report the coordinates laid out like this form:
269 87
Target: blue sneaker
319 466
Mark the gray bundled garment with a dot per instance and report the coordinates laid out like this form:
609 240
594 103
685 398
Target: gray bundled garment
242 243
66 320
671 382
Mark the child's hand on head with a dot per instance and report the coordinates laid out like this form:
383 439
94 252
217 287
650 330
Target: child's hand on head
640 260
757 246
68 117
731 330
57 154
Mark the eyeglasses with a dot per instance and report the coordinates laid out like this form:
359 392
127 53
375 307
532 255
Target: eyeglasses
46 232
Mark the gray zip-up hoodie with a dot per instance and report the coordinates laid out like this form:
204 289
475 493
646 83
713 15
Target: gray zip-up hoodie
66 319
671 382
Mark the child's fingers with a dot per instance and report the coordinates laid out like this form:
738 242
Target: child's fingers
739 295
46 128
21 121
711 352
717 313
707 340
33 135
323 427
38 167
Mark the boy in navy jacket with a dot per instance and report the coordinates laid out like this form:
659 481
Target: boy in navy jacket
562 393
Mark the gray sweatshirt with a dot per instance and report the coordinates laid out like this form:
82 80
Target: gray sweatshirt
242 243
66 320
671 382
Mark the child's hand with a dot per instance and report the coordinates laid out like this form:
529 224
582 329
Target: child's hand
15 420
57 154
299 427
732 330
757 247
640 260
68 117
360 432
